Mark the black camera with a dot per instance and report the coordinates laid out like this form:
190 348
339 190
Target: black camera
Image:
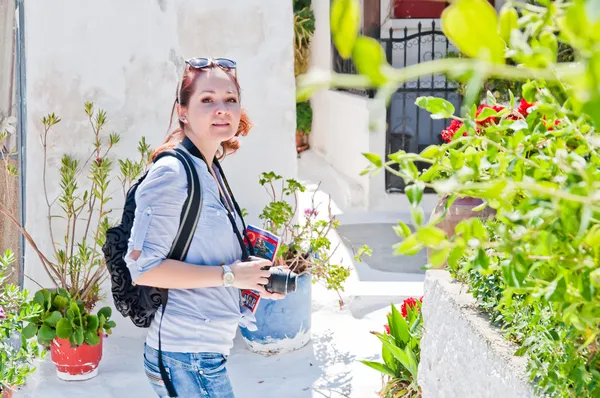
281 280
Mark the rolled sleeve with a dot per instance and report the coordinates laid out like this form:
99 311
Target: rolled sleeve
159 200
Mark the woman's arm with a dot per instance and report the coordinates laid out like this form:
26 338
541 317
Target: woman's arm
173 274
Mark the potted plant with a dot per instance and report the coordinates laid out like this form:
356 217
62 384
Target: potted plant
73 334
303 125
304 29
400 351
306 249
17 351
76 264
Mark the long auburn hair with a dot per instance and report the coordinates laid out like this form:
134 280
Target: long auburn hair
183 98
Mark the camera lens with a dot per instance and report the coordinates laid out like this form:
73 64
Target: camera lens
282 281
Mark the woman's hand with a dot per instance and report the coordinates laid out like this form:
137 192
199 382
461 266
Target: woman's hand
250 275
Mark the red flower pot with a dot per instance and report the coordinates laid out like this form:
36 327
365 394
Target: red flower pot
75 363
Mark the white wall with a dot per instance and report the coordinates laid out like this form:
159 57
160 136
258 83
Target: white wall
127 56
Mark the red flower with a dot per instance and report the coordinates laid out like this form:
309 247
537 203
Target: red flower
524 107
386 327
409 302
489 119
449 132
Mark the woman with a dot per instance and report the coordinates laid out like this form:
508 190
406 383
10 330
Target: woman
204 307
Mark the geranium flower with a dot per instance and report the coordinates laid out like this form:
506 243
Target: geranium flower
2 314
524 106
489 119
449 132
409 302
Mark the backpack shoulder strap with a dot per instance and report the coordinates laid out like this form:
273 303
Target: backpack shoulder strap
190 213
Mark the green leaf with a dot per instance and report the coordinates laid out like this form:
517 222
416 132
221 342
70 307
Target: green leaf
369 59
439 256
78 337
507 22
402 230
380 368
481 260
399 327
345 22
529 91
407 362
39 298
471 25
374 159
438 107
92 323
485 113
110 325
106 311
92 338
409 246
64 328
60 302
46 333
431 236
414 193
556 290
53 319
29 331
431 152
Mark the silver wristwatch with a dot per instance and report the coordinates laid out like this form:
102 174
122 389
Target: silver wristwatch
228 276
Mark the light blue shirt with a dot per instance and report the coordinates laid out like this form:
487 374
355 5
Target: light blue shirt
196 320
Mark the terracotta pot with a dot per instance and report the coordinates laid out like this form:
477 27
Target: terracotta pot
79 363
461 209
301 141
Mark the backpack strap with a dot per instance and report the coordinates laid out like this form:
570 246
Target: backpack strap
190 214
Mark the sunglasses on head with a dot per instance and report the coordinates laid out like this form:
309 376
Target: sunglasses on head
199 63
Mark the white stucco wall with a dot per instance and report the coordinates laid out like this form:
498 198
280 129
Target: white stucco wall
127 56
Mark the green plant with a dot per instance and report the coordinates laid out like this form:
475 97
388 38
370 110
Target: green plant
304 29
541 179
66 318
76 263
401 351
17 352
303 117
306 246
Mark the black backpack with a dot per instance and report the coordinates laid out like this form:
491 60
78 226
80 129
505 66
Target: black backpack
141 302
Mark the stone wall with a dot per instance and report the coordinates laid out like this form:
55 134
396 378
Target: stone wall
462 356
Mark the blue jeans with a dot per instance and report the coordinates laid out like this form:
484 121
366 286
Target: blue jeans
200 374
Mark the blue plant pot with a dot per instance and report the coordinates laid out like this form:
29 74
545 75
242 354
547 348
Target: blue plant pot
283 325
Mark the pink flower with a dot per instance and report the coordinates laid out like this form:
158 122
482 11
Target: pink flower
2 314
386 327
310 213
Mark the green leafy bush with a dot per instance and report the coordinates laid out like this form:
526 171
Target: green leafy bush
539 171
17 351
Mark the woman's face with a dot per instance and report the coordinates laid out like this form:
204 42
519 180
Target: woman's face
213 111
